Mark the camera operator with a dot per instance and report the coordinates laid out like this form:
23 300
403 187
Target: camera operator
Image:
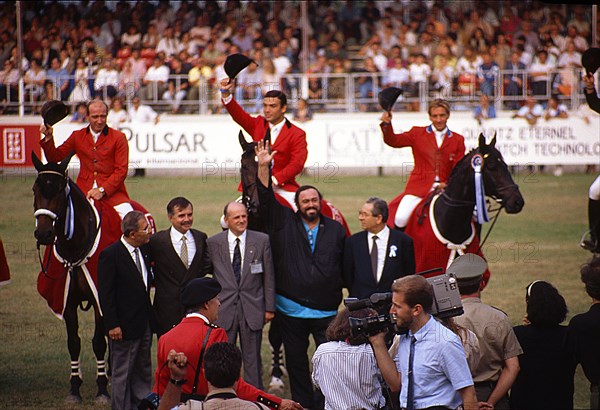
430 364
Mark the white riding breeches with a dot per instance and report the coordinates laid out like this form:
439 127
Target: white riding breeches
123 209
405 209
595 189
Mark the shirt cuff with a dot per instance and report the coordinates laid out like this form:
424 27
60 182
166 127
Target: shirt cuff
274 180
227 100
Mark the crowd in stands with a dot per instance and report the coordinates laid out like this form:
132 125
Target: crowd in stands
172 55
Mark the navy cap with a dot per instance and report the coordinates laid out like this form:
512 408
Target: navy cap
236 63
199 290
468 268
388 96
590 59
53 111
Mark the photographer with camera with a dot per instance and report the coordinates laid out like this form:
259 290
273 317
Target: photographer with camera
430 365
335 365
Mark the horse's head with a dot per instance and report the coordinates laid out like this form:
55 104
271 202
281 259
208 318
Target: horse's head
497 179
49 197
249 173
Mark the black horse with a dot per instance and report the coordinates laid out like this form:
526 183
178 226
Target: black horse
442 225
66 220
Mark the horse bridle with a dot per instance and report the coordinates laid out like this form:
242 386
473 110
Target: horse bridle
54 217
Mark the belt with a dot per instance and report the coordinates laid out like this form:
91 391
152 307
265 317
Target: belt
432 408
487 383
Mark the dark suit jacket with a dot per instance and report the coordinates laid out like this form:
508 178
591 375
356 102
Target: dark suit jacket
256 291
170 275
358 275
124 298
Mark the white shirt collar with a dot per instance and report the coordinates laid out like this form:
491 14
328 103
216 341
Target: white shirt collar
231 237
276 130
176 235
382 236
200 315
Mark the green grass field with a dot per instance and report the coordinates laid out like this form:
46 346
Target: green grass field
539 243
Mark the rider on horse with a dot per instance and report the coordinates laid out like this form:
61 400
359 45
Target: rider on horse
103 153
436 150
287 139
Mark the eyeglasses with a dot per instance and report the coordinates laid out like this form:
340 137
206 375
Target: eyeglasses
146 229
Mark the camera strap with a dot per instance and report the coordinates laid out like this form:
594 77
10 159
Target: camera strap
199 366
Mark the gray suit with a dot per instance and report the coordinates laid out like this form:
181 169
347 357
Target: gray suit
243 305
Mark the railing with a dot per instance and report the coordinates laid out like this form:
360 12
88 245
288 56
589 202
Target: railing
326 92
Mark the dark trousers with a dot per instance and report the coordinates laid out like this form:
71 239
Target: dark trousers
594 397
484 389
296 334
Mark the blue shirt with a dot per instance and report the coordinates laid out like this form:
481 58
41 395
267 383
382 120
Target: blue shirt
311 235
440 366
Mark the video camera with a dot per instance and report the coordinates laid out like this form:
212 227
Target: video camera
446 303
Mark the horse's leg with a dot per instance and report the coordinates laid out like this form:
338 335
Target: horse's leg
99 346
276 386
74 346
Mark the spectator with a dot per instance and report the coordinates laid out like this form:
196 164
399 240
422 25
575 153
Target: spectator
580 42
34 80
271 80
66 62
583 333
48 53
531 111
59 77
545 366
124 293
168 44
107 80
306 303
419 77
443 78
570 57
154 83
335 365
151 38
132 37
179 254
303 112
441 374
499 363
368 84
178 85
484 110
242 264
129 83
487 74
539 72
555 109
80 114
377 256
81 90
248 87
397 76
141 113
117 115
466 71
514 77
138 64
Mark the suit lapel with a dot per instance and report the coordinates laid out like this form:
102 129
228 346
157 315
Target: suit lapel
169 250
132 268
249 255
225 257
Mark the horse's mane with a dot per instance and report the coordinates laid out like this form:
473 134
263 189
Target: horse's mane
459 165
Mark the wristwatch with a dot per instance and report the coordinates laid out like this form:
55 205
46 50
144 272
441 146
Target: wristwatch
178 382
102 191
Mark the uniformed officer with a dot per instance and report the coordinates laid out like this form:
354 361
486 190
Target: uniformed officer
499 363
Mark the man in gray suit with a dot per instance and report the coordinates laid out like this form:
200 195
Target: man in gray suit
179 255
243 266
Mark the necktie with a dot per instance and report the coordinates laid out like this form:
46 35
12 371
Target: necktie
237 261
137 262
184 251
374 257
410 395
311 240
